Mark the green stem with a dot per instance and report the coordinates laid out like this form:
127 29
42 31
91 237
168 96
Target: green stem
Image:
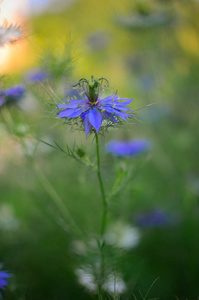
104 214
8 120
105 204
51 192
57 200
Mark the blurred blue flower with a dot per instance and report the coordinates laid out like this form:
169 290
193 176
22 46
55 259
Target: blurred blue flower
128 148
15 93
4 275
2 99
156 113
147 82
38 76
93 113
153 219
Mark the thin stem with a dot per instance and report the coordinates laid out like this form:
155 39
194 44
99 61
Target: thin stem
56 198
8 119
90 163
49 189
105 206
104 214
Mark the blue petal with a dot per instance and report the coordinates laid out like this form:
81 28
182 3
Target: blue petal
61 105
3 283
108 109
115 112
109 116
122 115
75 114
121 107
95 118
4 274
77 101
66 112
117 106
109 99
87 125
83 115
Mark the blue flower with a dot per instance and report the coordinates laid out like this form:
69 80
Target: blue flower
156 114
2 99
153 219
4 275
15 92
38 76
92 109
128 148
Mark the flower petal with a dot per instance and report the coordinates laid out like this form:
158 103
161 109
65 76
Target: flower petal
95 118
87 125
66 112
61 105
123 108
109 116
75 114
115 112
117 106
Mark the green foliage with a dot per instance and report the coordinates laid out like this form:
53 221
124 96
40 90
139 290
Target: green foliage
58 63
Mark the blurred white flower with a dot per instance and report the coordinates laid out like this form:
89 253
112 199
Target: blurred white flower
7 218
78 247
9 34
86 278
114 284
123 236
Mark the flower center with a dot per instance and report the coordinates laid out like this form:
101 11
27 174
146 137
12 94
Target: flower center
92 88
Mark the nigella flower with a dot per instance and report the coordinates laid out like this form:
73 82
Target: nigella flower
128 148
2 99
154 219
91 108
4 275
14 93
9 34
38 76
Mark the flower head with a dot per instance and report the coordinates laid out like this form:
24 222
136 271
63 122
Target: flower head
91 108
38 76
15 92
113 282
4 275
9 34
153 219
2 100
122 236
128 148
11 95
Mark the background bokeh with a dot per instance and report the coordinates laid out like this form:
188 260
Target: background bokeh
149 51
